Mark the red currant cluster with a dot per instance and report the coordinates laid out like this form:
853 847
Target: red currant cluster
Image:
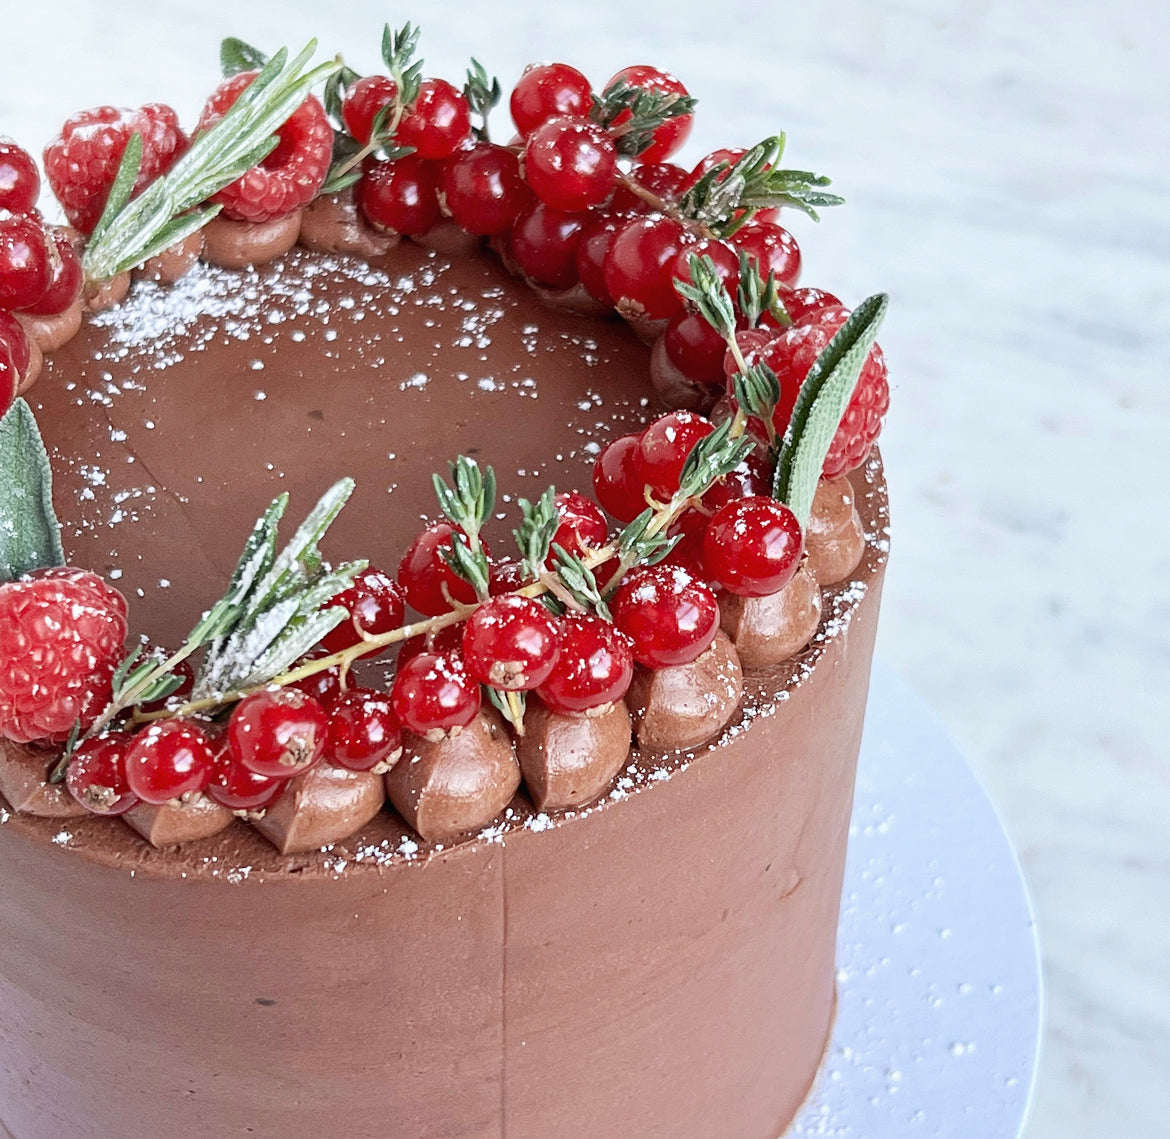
40 272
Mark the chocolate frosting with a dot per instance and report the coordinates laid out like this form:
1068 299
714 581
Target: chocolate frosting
659 963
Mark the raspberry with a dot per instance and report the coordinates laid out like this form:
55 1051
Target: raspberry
792 356
61 637
82 160
291 175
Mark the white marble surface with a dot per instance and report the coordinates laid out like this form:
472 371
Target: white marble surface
1006 169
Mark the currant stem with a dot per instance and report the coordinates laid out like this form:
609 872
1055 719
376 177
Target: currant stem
662 206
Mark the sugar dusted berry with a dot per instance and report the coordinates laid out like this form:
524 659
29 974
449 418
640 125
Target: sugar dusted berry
363 100
400 196
570 163
582 525
543 242
594 668
510 642
483 190
429 584
238 788
61 637
639 267
96 775
753 546
25 273
65 275
669 616
375 605
665 447
278 732
437 122
617 478
82 161
20 184
291 175
434 694
167 760
546 91
772 248
670 135
363 730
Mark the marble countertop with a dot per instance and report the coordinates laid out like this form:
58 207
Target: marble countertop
1006 170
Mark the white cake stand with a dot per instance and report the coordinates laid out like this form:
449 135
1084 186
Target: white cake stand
939 995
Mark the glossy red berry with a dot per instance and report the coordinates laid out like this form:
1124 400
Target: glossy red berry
687 530
668 137
445 641
10 378
65 275
401 196
570 163
363 730
639 267
237 787
428 583
669 616
543 242
546 91
363 100
167 760
617 478
582 525
753 546
597 234
483 189
510 642
595 666
375 605
507 576
14 343
437 122
695 348
278 732
96 775
753 476
664 448
25 273
720 252
773 249
433 693
729 154
802 304
664 180
20 184
323 686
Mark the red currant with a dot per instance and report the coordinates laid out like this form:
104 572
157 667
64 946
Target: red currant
725 258
773 249
639 267
374 604
506 576
237 787
510 642
617 478
595 666
597 234
429 584
401 195
24 261
438 122
483 189
674 131
582 525
688 529
169 759
546 91
571 164
363 101
278 732
445 641
9 378
662 179
20 184
14 340
65 275
96 775
544 243
753 476
363 730
433 693
665 446
669 616
753 546
323 686
695 348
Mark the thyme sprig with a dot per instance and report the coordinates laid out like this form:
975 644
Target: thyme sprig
398 54
483 93
728 194
172 207
534 535
632 114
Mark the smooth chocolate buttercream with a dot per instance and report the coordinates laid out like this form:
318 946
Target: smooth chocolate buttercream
660 963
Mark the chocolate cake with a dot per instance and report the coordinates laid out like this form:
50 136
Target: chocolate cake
618 921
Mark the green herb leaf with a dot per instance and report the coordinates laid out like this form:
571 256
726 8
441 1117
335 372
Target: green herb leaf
482 92
30 535
714 456
637 546
823 400
398 48
641 113
241 139
581 582
534 535
334 94
236 56
706 292
757 391
469 501
469 564
123 185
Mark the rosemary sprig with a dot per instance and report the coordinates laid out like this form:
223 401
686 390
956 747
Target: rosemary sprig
398 49
235 56
728 194
483 93
632 114
159 216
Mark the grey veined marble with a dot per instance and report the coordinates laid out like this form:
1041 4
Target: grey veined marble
1006 170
